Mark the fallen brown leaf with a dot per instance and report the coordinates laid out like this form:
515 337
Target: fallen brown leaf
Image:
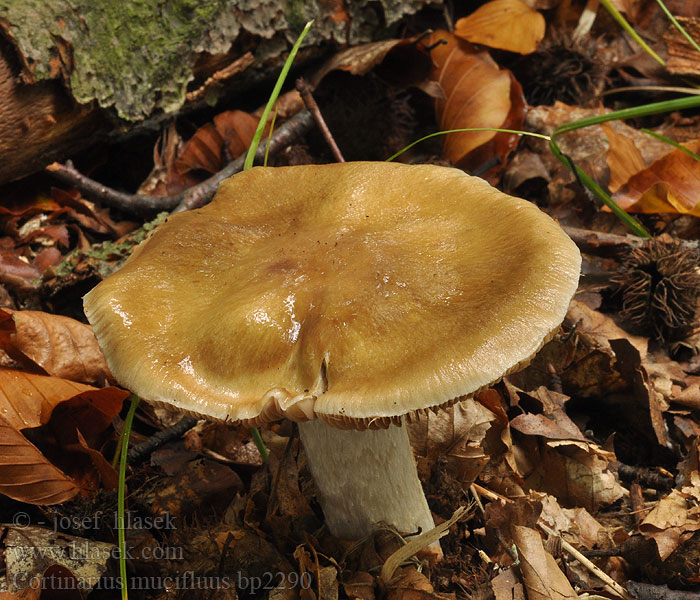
504 24
454 435
25 473
543 578
60 346
675 518
669 185
624 158
477 94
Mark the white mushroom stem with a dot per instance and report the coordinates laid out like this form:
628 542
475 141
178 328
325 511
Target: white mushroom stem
365 478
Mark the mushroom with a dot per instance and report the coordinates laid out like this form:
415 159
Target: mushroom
344 297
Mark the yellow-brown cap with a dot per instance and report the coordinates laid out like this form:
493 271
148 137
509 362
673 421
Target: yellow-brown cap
355 293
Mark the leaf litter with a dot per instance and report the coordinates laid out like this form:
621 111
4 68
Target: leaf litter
594 446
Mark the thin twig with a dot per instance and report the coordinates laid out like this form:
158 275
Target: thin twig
313 108
193 197
141 451
612 585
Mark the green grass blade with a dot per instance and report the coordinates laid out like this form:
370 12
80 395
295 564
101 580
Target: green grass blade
250 157
629 29
678 26
426 137
671 142
617 210
630 113
269 137
120 494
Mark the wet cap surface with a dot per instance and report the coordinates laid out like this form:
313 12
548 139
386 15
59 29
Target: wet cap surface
347 292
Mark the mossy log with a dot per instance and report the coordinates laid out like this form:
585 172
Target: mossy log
71 71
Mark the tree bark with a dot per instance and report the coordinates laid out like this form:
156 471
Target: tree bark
70 71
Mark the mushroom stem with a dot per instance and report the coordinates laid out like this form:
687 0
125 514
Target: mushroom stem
364 478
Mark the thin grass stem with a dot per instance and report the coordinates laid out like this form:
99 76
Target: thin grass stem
121 537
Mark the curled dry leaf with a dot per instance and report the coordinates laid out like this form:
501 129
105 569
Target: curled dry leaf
401 62
543 578
231 133
58 345
624 158
504 24
25 473
454 435
669 185
675 518
477 94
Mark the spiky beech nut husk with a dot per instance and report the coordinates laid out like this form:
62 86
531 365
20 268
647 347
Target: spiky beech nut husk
562 69
660 286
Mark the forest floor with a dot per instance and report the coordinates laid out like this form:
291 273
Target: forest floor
579 475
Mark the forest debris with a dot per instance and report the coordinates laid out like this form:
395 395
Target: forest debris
600 328
682 56
574 524
675 518
28 400
624 158
193 197
477 94
359 586
541 575
577 473
26 475
456 435
669 184
56 345
30 552
202 486
505 24
507 586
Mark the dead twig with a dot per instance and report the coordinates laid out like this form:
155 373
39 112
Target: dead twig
193 197
315 111
143 450
609 582
238 65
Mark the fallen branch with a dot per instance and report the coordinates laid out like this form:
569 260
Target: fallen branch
193 197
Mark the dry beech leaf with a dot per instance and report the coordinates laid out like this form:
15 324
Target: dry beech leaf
401 62
477 94
507 586
233 130
25 473
675 518
600 329
575 472
28 400
669 185
624 158
543 578
60 346
504 24
455 435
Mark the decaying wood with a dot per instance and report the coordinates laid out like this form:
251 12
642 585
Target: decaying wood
71 71
39 123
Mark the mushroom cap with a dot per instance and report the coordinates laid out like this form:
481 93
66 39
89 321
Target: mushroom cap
355 293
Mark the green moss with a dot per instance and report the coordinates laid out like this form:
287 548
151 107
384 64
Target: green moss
108 256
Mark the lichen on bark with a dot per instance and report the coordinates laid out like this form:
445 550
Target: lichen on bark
138 55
